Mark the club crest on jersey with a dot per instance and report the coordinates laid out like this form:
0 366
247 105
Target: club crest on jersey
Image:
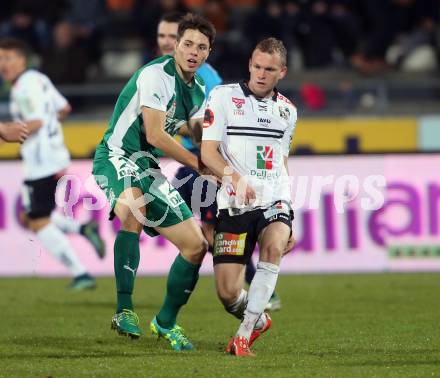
284 112
264 157
208 120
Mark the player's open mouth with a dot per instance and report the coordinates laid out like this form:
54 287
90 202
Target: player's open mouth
192 63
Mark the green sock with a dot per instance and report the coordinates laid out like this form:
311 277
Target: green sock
182 279
126 262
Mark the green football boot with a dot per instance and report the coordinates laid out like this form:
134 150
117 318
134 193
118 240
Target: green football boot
90 231
175 336
126 323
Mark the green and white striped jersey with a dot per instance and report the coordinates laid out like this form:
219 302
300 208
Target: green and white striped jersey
156 85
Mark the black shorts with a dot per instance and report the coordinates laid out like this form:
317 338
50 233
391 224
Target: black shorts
38 197
236 235
207 214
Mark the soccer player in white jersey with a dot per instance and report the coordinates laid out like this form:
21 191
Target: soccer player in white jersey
35 102
247 132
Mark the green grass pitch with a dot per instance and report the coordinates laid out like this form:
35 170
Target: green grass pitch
378 325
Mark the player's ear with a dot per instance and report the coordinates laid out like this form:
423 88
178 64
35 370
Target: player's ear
283 72
250 64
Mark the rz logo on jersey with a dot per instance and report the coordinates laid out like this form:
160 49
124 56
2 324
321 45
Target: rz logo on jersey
264 157
208 120
238 102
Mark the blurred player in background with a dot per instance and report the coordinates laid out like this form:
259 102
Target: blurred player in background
11 132
247 131
166 42
157 101
35 102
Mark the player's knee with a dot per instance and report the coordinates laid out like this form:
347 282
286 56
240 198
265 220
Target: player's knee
129 220
37 224
228 294
274 252
195 249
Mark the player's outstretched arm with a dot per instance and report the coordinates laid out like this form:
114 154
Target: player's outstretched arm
14 132
154 123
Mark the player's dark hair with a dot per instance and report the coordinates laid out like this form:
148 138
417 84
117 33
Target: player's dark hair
172 17
196 22
272 46
15 44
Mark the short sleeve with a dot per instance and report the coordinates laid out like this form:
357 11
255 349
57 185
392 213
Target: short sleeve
214 121
288 134
31 99
152 89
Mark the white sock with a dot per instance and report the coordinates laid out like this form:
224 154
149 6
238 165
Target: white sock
260 291
59 247
65 224
237 308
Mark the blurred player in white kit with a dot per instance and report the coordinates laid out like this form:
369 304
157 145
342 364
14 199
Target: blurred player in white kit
37 104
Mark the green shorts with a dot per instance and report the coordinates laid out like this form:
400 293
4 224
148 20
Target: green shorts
165 207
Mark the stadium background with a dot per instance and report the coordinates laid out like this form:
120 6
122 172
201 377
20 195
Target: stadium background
364 75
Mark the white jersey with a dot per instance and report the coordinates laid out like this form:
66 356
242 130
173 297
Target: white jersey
255 136
34 97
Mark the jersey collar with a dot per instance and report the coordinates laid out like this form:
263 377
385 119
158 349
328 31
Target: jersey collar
247 92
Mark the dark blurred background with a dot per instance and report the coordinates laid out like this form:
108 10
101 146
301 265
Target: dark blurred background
345 56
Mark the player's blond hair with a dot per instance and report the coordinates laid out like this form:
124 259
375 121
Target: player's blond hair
273 46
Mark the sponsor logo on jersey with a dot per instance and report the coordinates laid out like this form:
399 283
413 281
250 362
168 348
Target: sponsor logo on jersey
172 110
263 120
284 112
229 244
265 174
262 107
208 120
124 167
239 112
264 157
238 102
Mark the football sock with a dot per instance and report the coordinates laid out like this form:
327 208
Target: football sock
65 224
237 308
58 245
182 280
126 262
261 289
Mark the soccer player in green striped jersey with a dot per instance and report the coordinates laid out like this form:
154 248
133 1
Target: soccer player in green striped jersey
160 97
